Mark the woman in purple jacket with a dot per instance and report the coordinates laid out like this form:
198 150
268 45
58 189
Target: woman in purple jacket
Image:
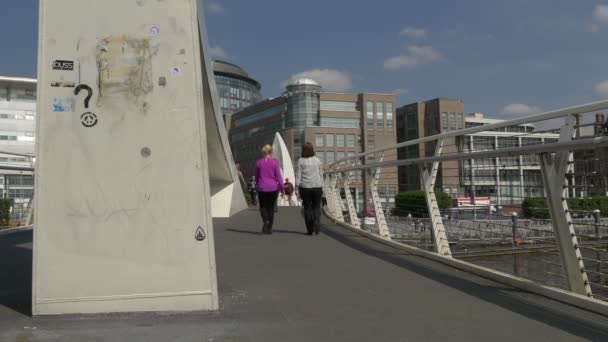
269 183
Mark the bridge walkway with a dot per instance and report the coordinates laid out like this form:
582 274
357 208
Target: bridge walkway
337 286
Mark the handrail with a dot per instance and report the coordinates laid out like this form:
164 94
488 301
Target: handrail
554 114
578 144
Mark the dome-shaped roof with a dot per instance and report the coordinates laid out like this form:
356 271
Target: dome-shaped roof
229 68
305 81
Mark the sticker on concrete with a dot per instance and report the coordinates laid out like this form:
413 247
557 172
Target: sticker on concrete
63 105
200 234
162 81
88 119
63 65
154 31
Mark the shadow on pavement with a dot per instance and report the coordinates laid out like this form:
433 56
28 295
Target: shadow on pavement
16 272
534 307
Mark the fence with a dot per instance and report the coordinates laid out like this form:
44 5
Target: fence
490 171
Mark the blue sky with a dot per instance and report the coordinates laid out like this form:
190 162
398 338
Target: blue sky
503 58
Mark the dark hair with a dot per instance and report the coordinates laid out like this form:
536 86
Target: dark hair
307 150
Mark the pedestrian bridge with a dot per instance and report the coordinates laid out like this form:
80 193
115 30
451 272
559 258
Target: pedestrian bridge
338 286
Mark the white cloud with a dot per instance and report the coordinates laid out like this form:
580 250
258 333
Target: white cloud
414 33
217 52
329 79
600 14
215 7
602 89
520 109
400 91
416 55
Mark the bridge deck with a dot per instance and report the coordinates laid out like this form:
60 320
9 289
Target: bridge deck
291 287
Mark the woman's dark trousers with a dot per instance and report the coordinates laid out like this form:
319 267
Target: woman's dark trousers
311 200
267 202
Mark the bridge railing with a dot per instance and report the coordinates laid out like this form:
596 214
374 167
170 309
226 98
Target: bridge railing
525 196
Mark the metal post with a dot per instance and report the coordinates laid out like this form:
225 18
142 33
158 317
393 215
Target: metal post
334 199
553 170
352 212
514 228
429 176
374 177
598 236
597 216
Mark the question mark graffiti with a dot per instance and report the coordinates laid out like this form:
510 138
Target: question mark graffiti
88 89
87 119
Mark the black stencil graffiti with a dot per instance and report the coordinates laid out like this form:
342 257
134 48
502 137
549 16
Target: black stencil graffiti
200 234
88 119
88 89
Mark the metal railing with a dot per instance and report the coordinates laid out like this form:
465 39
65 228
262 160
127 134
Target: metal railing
494 174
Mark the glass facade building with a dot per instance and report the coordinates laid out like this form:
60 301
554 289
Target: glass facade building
235 88
338 124
303 103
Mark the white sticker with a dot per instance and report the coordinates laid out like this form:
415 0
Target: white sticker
175 72
154 31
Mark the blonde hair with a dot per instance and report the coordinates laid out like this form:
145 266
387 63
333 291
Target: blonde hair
267 150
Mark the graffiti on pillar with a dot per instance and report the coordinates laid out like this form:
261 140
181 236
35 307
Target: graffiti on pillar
87 119
200 234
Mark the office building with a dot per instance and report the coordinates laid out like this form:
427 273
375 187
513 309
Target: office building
338 125
506 180
235 88
17 131
591 166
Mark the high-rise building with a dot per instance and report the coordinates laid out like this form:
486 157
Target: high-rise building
235 88
422 119
505 180
338 125
17 131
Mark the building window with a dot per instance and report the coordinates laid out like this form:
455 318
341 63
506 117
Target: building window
249 119
452 122
370 115
444 121
380 115
318 139
340 122
329 139
350 141
330 157
340 155
460 121
389 115
351 155
321 156
339 106
340 140
371 141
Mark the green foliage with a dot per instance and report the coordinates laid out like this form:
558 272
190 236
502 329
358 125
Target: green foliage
414 202
5 211
537 207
